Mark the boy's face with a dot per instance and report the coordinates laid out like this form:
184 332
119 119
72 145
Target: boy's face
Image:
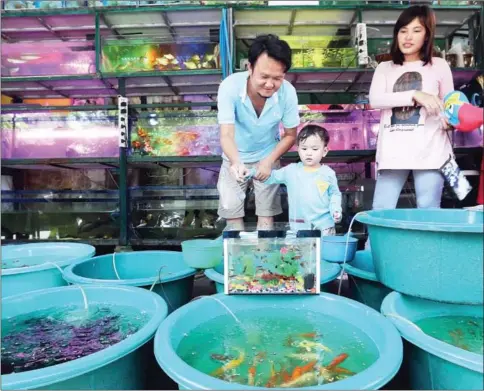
311 151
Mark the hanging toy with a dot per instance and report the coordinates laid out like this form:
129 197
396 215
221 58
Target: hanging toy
462 115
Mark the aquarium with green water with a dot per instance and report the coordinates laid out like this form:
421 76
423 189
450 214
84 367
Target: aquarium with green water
277 261
60 214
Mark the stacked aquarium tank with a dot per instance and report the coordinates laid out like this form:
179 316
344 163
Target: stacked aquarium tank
60 214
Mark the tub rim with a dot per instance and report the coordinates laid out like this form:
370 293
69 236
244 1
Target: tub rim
445 351
61 372
360 273
88 254
73 278
194 379
368 219
335 270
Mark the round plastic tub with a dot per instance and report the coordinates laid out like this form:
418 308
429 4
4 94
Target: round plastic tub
202 253
120 366
174 279
329 272
363 284
333 248
25 267
187 318
433 364
435 254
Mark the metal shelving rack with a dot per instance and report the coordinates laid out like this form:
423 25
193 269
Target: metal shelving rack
237 25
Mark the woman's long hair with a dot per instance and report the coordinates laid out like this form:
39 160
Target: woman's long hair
427 18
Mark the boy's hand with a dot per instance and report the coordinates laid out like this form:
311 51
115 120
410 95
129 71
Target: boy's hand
337 217
264 169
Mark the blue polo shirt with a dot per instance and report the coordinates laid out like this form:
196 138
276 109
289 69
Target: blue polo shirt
256 137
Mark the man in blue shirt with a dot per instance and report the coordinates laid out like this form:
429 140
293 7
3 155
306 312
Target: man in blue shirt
251 106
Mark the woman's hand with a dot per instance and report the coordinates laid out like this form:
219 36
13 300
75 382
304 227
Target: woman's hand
432 103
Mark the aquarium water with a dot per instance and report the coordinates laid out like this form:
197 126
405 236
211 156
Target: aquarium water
57 335
464 332
29 261
274 348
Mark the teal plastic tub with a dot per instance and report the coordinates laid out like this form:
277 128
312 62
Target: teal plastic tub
333 248
119 367
435 254
329 272
202 253
363 284
173 279
433 364
187 318
32 266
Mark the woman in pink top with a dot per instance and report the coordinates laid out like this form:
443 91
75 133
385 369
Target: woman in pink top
409 90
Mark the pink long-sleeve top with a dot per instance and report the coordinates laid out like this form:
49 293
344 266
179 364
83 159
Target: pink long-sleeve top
409 138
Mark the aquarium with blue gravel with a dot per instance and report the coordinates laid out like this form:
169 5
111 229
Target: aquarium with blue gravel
276 261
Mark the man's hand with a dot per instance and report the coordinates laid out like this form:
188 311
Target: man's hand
337 217
264 169
239 171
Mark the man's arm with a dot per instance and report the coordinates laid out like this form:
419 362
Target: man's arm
227 141
290 121
226 119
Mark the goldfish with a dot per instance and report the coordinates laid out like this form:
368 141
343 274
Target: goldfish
251 377
221 357
309 345
304 356
299 371
301 381
309 335
231 364
273 377
337 360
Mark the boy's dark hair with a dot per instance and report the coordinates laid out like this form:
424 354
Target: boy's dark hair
427 18
313 130
275 48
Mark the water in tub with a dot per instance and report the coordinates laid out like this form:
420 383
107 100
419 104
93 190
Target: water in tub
277 348
57 335
464 332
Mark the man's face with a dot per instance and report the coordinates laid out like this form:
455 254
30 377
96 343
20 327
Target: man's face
266 76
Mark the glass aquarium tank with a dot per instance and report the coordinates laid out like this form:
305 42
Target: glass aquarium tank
176 134
174 212
52 59
64 214
277 261
61 134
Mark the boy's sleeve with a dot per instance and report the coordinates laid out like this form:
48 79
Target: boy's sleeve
278 176
334 194
226 103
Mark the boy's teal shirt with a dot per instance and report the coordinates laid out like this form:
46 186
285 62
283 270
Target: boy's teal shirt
313 194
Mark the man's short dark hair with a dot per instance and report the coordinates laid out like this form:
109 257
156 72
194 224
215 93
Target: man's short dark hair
313 130
275 48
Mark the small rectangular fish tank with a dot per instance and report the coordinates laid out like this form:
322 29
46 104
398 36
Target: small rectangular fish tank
277 261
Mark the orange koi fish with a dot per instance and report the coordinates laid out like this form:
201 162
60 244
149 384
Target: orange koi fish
337 360
230 365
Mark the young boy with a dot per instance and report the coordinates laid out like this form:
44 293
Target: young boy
312 188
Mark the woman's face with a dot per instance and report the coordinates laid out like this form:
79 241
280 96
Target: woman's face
411 38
